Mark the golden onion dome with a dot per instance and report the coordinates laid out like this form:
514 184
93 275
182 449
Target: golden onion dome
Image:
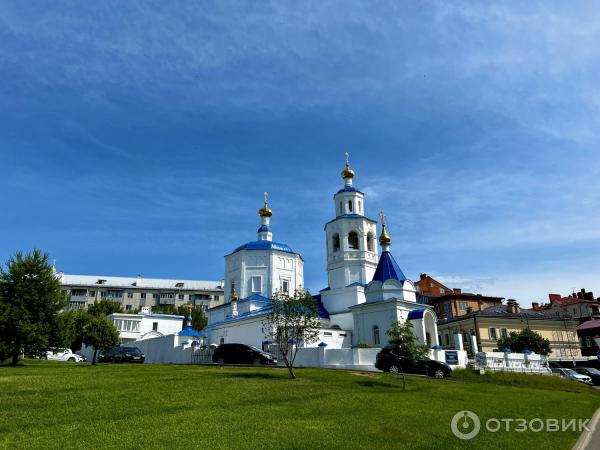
265 211
347 172
385 238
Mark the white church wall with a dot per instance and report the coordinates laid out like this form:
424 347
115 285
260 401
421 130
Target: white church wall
344 358
339 300
247 331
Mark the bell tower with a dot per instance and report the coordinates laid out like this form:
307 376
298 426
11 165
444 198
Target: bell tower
352 255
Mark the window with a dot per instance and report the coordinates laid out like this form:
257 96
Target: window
493 335
342 334
447 307
370 246
167 295
375 335
350 205
130 295
442 291
588 341
353 240
463 305
256 284
102 294
143 295
503 332
92 293
115 294
180 296
154 326
155 296
359 207
284 285
127 307
78 292
336 242
327 333
447 339
341 208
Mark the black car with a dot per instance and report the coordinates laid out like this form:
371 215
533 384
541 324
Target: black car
241 354
122 354
591 372
388 361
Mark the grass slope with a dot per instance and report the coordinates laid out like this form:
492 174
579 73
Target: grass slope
59 405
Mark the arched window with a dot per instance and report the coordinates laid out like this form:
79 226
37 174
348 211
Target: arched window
341 208
350 205
375 335
370 242
359 207
353 241
336 242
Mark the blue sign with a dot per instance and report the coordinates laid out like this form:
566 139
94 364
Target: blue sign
452 357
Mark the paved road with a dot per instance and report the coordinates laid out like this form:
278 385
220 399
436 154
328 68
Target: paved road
590 440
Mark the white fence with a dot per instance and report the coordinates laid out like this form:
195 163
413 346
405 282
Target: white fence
513 362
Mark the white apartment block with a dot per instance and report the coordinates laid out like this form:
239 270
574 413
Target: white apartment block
134 293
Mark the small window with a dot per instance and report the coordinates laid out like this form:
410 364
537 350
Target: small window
375 335
154 326
92 293
130 295
350 205
442 291
588 341
155 296
127 307
143 295
353 241
327 333
359 207
447 339
342 334
341 208
180 296
336 242
493 335
284 286
503 332
256 284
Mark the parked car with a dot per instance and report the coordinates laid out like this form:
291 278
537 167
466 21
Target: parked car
241 354
122 354
591 372
388 361
63 354
570 374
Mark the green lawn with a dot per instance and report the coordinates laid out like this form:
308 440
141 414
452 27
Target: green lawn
61 405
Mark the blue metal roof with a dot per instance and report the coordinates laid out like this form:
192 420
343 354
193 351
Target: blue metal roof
388 268
264 245
189 331
415 314
349 189
323 313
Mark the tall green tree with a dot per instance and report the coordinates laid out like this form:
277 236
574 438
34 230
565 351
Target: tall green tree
293 321
69 330
199 319
404 342
104 308
525 339
100 333
30 299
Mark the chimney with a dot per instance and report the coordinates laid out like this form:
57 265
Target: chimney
457 291
138 281
535 306
512 306
554 298
423 276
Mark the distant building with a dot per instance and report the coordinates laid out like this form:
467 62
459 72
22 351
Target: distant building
580 306
449 303
494 322
134 293
589 337
145 325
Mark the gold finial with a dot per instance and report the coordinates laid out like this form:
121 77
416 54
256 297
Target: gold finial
54 265
265 211
347 172
385 238
232 296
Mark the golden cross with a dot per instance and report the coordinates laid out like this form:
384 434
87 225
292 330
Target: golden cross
382 215
266 194
347 158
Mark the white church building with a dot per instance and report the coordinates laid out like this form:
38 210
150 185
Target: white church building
366 292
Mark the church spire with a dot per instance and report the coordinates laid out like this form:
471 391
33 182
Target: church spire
384 239
347 173
265 213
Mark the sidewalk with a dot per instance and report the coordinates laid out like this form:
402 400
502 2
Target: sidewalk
590 440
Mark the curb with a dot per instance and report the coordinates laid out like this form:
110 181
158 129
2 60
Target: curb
585 438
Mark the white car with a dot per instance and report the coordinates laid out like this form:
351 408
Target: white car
570 374
64 354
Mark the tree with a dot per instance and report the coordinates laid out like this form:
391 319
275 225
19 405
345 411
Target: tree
199 319
100 333
525 339
30 298
405 343
104 308
292 321
69 330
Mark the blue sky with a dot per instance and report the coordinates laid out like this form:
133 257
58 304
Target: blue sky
138 137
